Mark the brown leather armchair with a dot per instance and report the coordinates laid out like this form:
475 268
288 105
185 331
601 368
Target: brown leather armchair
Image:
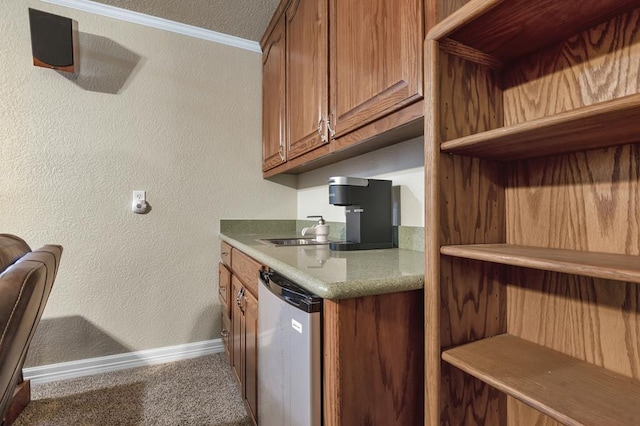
26 278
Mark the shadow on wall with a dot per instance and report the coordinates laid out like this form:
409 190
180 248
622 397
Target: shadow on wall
68 339
105 66
395 158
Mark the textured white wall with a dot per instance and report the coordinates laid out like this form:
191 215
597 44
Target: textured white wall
175 116
403 164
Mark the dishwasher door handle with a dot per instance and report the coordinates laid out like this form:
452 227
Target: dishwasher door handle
292 301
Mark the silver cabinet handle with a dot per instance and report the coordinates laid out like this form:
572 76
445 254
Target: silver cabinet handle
323 137
239 299
332 132
281 151
224 333
238 296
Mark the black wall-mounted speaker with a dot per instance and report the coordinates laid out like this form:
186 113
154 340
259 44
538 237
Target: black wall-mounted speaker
54 41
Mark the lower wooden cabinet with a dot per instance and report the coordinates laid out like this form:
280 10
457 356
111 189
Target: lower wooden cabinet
236 331
249 345
373 367
224 290
239 299
373 351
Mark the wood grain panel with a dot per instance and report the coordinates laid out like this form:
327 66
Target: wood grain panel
590 319
471 207
470 98
473 301
472 201
473 306
446 8
250 334
519 413
376 51
237 344
331 392
246 269
307 60
472 402
273 99
374 360
226 336
594 66
432 234
225 253
584 201
224 288
398 126
569 390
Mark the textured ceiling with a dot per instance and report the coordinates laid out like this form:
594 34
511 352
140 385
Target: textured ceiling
241 18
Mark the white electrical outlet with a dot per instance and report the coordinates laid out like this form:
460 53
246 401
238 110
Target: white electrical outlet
139 203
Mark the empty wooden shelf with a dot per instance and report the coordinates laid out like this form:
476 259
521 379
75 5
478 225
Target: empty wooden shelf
605 124
611 266
571 391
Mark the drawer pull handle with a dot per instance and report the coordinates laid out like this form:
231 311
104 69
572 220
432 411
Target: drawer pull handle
224 333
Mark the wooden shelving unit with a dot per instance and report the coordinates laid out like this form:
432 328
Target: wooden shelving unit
571 391
532 227
612 266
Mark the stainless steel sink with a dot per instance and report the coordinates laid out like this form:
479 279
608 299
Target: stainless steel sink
291 241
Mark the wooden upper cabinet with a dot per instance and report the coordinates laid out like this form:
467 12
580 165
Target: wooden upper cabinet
353 73
307 64
273 99
376 59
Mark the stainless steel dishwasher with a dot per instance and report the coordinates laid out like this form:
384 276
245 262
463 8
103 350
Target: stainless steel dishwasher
289 353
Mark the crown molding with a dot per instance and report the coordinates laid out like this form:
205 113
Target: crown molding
155 22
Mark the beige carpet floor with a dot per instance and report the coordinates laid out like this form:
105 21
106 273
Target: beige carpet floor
200 391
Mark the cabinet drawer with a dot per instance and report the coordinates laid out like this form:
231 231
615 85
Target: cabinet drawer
224 287
246 269
225 253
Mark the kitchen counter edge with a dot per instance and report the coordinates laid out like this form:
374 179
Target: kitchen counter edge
336 290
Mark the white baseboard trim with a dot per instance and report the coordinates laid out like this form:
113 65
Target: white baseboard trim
105 364
155 22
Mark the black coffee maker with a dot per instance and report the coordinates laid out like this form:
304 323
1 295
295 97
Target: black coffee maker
368 210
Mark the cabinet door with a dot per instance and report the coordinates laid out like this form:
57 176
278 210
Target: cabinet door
307 75
224 288
273 99
376 59
224 295
251 355
236 334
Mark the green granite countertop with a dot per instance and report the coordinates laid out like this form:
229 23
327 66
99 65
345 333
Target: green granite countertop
332 274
